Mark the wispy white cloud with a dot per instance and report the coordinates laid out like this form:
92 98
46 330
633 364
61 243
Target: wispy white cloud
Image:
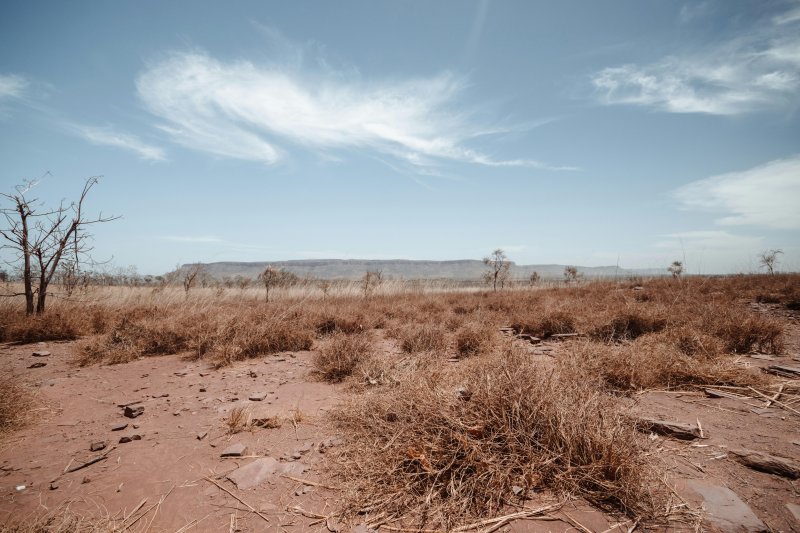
766 195
254 112
12 86
758 71
196 239
107 136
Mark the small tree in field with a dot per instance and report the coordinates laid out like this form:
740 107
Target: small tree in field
40 238
676 269
370 281
769 259
499 269
570 274
191 276
534 278
276 277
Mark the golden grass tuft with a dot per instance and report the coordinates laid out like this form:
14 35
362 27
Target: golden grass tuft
427 337
447 447
15 404
476 338
342 354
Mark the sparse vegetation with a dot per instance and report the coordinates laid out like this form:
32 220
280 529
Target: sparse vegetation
341 355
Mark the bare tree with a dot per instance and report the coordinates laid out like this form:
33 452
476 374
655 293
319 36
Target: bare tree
571 274
191 275
534 278
499 268
41 238
276 277
769 259
370 281
676 269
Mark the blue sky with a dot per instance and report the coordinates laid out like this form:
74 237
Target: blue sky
564 132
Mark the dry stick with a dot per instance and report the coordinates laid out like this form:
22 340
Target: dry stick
236 498
309 482
777 395
795 411
308 514
700 427
576 523
89 462
135 510
158 507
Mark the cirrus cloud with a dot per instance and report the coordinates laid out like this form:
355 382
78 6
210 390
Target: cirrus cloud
241 110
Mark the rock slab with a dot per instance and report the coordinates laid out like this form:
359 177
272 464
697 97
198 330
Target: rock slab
132 411
764 462
677 430
236 450
725 510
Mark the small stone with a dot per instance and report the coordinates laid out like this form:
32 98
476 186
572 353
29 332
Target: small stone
37 365
236 450
253 374
97 446
677 430
258 396
176 413
125 440
296 455
86 480
119 427
517 490
202 435
202 389
53 486
41 353
132 411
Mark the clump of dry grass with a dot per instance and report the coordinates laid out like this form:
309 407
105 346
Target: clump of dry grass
60 520
53 326
447 447
15 404
475 339
545 324
427 337
630 324
654 361
743 332
237 420
342 354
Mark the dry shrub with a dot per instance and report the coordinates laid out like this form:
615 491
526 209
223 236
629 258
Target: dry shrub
343 353
475 339
546 324
51 326
653 361
15 404
416 338
695 343
744 332
447 447
630 324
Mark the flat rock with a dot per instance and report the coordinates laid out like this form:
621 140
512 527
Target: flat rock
132 411
724 509
762 357
677 430
97 446
764 462
119 427
257 396
255 473
202 435
130 438
794 509
41 353
236 450
37 365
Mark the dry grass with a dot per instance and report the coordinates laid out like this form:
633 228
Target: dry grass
476 338
425 337
60 520
15 404
342 354
450 446
237 420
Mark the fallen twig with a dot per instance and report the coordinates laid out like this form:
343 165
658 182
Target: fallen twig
309 482
234 496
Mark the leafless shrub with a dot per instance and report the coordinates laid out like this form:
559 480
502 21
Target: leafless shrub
237 420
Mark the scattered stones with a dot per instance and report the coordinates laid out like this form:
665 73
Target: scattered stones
132 411
764 462
127 439
97 446
677 430
41 353
236 450
253 374
37 365
119 427
257 396
202 435
725 510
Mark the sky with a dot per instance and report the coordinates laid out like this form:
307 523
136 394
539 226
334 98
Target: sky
579 132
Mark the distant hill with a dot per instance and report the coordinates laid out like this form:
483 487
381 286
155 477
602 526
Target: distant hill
462 269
